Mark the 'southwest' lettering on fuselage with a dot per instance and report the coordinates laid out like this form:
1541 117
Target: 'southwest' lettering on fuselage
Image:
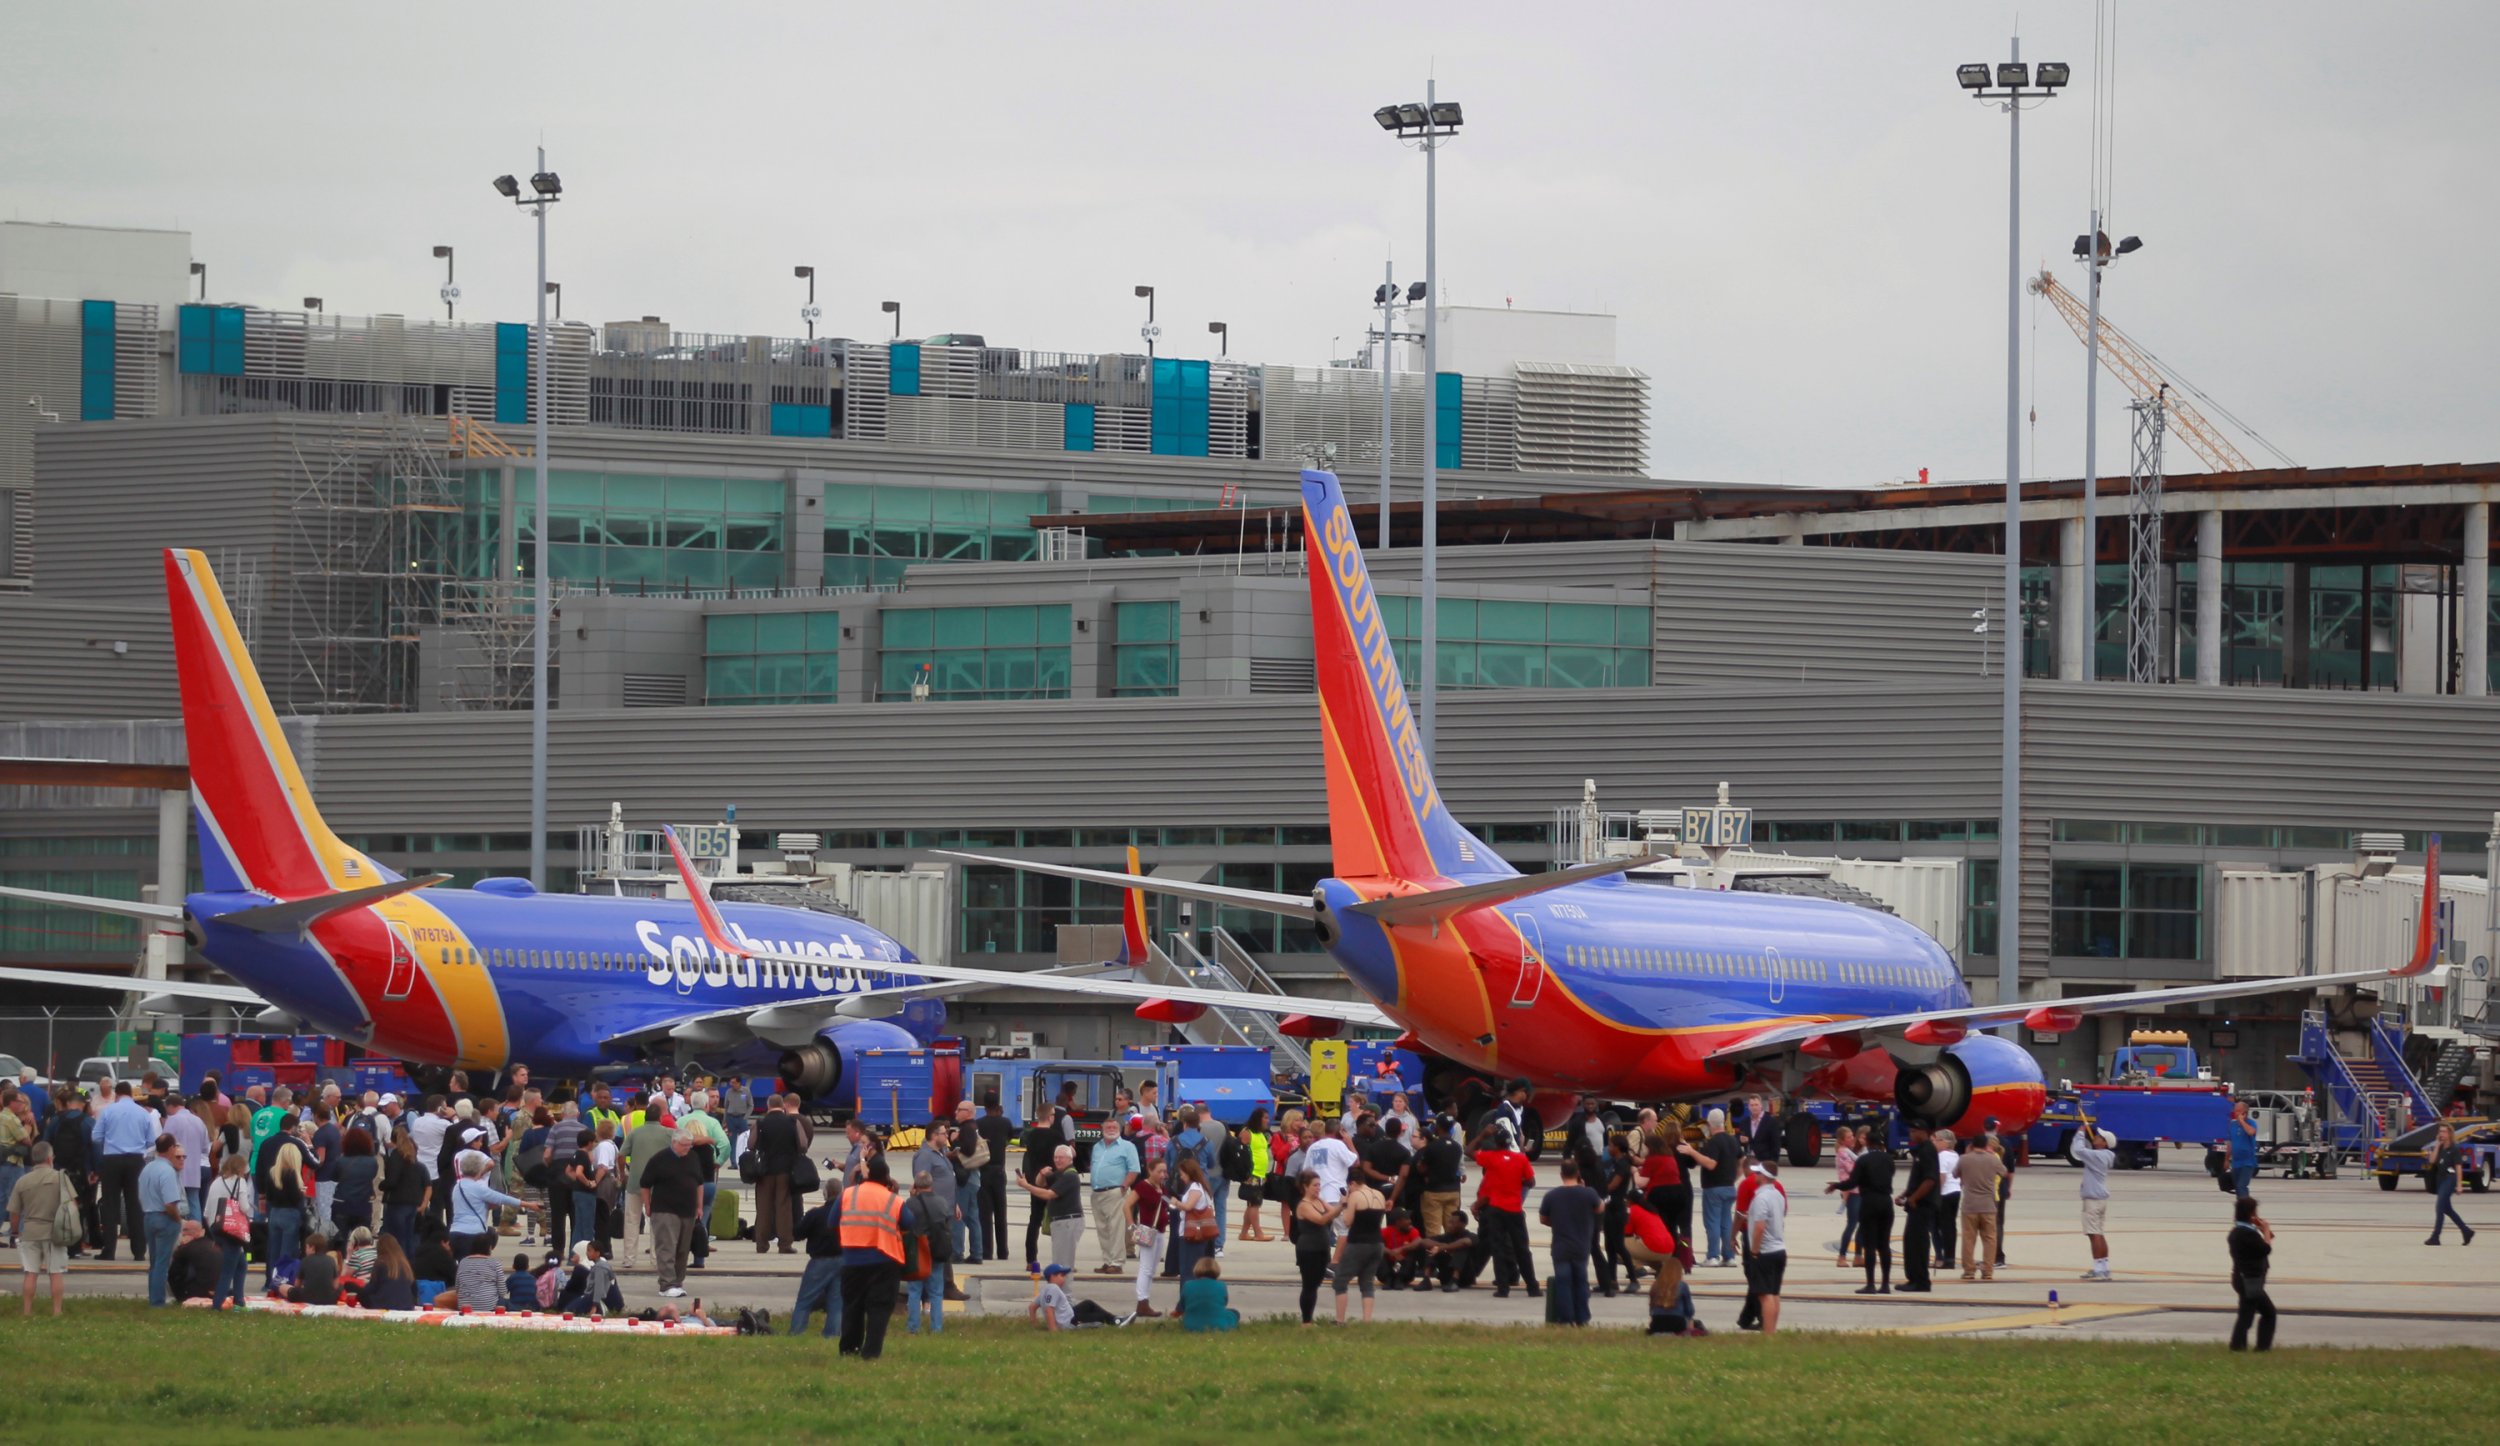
1380 663
682 961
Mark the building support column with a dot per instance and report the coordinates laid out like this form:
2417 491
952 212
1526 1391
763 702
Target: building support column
2474 680
173 876
2209 598
2074 602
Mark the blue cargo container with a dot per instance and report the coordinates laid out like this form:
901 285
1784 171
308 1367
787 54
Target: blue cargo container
1231 1080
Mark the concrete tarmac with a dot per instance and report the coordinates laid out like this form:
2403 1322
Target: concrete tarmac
2350 1269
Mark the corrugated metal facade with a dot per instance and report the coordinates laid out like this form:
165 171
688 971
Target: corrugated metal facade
1797 615
59 656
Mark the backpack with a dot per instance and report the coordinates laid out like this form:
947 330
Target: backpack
550 1287
1235 1158
68 1226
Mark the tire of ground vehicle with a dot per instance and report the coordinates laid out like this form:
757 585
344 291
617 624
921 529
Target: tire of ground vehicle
2479 1180
1805 1141
2387 1182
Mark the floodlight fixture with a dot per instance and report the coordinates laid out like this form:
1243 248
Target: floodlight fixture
2130 245
505 185
1382 293
1387 115
1446 115
1973 77
1223 330
2053 73
1415 291
312 303
546 183
1413 117
2013 74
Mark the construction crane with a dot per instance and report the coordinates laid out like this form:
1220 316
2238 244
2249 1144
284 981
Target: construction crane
2146 376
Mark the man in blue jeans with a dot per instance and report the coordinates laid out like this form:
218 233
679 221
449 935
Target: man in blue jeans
1726 1155
821 1287
967 1176
163 1208
2242 1134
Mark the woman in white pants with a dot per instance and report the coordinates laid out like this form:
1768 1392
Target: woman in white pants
1149 1220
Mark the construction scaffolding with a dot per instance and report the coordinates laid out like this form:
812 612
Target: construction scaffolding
2144 540
373 528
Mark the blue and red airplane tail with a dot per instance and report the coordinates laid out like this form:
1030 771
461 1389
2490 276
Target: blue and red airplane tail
258 828
1386 819
1133 946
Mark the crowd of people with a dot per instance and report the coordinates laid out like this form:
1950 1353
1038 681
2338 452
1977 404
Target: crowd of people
400 1203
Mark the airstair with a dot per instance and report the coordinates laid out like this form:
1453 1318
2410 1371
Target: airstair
1234 968
2371 1095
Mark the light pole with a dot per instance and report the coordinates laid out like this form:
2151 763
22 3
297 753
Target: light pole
1149 331
893 309
1224 337
450 293
2012 87
1429 125
808 313
546 191
2094 251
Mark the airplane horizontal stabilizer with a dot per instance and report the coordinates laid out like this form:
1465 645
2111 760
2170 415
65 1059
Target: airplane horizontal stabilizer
298 914
1439 904
1295 906
127 908
127 984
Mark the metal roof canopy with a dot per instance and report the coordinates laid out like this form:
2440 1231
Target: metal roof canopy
92 773
2386 513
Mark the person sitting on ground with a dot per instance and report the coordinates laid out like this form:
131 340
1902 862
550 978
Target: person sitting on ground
433 1262
591 1288
1402 1253
196 1265
1205 1303
317 1278
520 1288
392 1285
360 1251
1053 1311
1455 1257
476 1285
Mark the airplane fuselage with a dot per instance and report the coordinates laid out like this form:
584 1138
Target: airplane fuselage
484 978
1622 989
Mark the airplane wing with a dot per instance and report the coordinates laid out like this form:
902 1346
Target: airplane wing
123 983
795 1021
1294 906
716 932
1948 1026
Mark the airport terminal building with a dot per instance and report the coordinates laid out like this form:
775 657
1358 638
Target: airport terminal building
952 593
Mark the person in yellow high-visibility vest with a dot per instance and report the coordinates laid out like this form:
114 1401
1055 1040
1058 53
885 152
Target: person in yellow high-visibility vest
872 1260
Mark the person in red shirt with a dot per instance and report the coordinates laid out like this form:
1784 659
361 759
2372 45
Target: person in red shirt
1401 1248
1649 1242
1502 1208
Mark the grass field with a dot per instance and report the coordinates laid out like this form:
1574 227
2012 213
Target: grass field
114 1369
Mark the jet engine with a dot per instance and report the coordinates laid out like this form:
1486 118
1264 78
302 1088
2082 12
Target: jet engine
826 1065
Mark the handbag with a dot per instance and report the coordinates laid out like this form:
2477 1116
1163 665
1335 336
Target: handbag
804 1180
611 1186
750 1166
231 1221
1198 1226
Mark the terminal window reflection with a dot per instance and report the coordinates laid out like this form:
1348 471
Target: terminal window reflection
974 652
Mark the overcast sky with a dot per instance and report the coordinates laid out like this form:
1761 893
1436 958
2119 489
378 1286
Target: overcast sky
1799 219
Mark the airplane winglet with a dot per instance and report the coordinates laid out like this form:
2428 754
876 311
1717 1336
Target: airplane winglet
699 893
1133 950
2426 928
